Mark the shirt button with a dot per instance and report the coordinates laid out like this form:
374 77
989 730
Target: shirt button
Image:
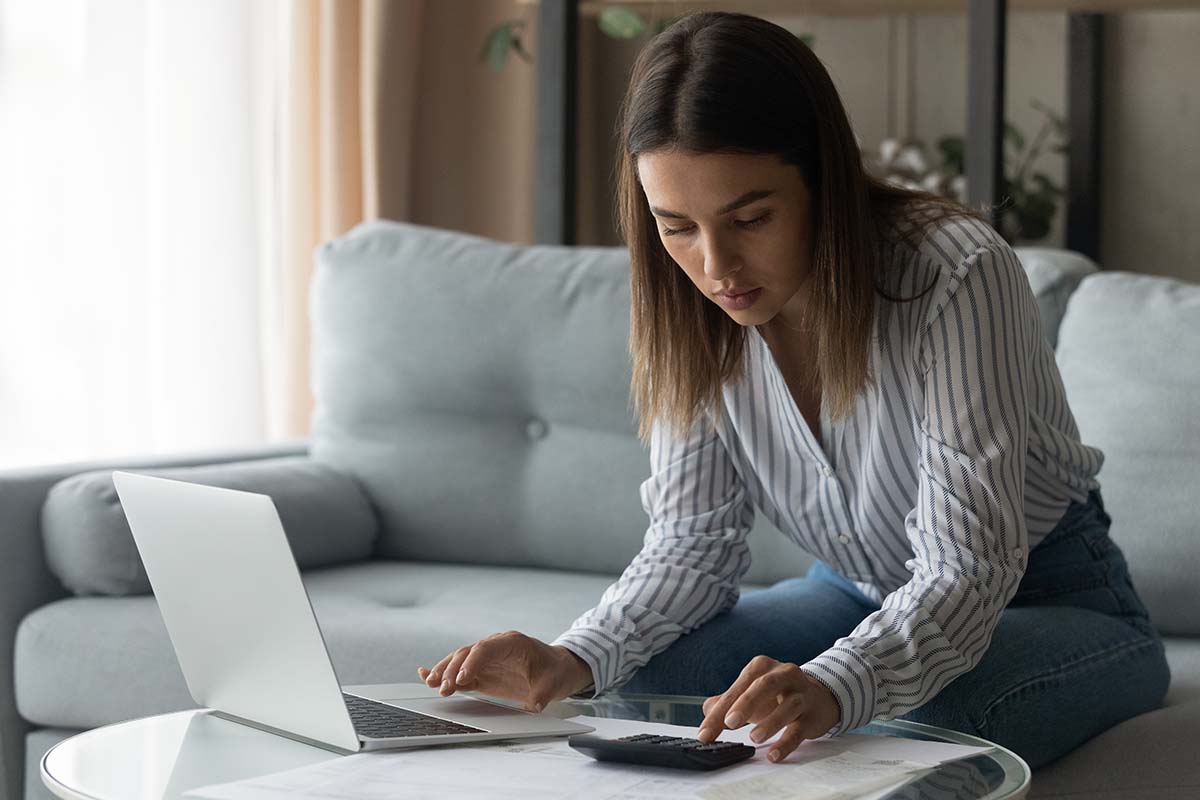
827 471
844 538
1017 552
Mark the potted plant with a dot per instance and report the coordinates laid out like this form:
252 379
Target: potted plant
1030 197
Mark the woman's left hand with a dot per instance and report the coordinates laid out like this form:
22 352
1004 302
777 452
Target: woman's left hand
774 696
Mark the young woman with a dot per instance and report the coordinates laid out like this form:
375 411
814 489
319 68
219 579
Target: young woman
866 366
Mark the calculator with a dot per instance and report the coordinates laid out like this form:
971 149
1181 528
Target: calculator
662 751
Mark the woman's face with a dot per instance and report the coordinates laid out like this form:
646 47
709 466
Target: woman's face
735 223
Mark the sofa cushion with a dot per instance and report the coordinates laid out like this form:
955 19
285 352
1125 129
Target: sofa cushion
1053 275
1129 354
326 515
1152 755
480 392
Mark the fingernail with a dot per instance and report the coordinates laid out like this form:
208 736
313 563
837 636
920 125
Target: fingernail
773 755
538 707
755 736
733 719
446 684
462 676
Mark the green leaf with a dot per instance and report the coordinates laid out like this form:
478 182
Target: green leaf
1060 124
621 23
1035 228
953 151
1046 184
1012 134
496 46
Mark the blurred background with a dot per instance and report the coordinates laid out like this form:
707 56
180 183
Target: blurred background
168 167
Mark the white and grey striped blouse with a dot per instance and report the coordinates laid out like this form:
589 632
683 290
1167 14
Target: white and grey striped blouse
958 458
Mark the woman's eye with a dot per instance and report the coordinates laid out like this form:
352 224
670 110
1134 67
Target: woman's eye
749 223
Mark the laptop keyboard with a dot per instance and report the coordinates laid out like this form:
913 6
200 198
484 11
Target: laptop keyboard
381 721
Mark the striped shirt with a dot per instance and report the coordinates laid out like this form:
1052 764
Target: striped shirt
958 457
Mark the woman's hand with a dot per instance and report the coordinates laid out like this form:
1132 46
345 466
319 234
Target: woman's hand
775 696
513 666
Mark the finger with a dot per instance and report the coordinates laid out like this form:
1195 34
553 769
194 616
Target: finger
451 672
791 705
539 697
708 704
759 699
792 737
475 662
716 718
435 674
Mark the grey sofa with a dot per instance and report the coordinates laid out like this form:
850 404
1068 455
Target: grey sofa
472 467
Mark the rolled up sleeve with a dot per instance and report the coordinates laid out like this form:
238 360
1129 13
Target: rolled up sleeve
967 532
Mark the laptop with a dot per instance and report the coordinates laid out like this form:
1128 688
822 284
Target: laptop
248 642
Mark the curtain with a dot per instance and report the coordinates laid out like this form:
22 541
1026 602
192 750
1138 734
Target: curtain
169 168
129 281
390 114
348 101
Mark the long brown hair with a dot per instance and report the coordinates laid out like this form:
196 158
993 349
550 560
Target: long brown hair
727 82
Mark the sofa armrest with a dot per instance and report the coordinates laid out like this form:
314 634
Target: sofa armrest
26 582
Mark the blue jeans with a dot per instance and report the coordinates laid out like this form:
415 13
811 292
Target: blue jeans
1073 653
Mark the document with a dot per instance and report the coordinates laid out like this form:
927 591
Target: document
830 768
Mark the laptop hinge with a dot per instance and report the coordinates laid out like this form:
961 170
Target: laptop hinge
279 732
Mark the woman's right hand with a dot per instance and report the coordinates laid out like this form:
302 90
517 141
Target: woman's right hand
512 666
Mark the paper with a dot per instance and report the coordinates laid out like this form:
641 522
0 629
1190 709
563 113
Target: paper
823 769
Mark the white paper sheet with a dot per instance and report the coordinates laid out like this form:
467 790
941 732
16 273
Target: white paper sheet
822 769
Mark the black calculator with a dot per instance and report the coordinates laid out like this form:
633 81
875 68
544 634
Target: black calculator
662 751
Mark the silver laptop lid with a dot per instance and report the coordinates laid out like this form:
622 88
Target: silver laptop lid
237 612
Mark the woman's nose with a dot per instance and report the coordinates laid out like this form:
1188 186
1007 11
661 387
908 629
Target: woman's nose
720 261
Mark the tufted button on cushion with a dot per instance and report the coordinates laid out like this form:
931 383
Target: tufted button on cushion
537 428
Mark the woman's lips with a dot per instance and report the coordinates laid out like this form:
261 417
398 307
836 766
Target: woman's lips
738 302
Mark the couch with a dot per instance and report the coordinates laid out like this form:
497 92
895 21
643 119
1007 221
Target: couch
472 467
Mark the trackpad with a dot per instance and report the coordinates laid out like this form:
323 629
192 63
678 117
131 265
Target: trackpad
455 707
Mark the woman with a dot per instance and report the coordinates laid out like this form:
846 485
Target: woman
866 366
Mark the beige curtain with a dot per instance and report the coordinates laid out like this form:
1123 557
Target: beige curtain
386 112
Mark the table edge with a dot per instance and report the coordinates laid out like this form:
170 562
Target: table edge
65 792
60 789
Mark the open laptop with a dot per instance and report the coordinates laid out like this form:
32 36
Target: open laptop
248 642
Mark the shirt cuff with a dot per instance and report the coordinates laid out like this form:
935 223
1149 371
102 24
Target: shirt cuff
593 653
848 674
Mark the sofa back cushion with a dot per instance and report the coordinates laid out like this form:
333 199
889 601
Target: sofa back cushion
1129 353
325 514
1053 275
480 392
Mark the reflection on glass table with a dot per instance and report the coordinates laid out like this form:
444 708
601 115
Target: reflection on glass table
163 756
994 775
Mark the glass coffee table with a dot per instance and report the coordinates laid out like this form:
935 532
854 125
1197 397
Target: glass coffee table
997 774
166 755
